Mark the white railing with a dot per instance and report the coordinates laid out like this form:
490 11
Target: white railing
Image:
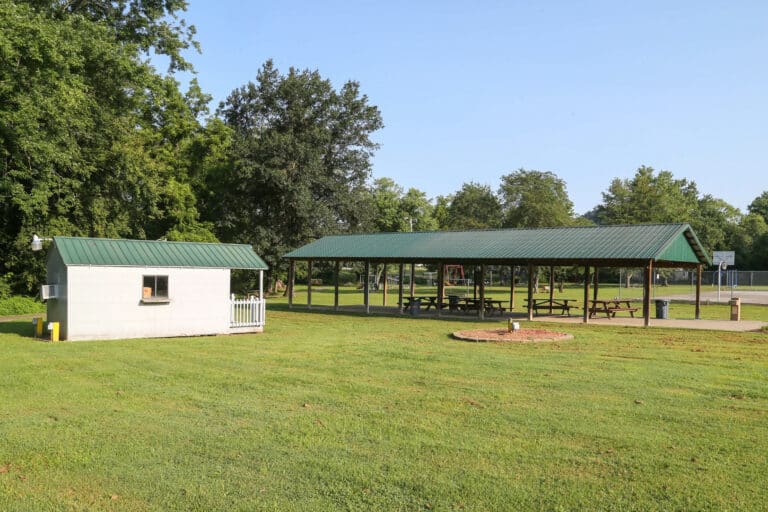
247 312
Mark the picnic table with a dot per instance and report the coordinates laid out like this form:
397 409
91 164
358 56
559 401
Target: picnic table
425 301
564 305
611 307
493 306
470 304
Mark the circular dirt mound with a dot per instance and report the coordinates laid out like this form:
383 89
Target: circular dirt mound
521 335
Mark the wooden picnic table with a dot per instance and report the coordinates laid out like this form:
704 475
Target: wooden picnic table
611 307
493 306
470 304
425 301
564 305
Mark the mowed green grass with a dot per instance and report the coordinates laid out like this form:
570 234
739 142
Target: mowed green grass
341 412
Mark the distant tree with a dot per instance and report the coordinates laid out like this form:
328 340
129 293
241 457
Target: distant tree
648 198
474 207
387 196
441 215
760 205
750 241
715 222
298 164
418 210
534 199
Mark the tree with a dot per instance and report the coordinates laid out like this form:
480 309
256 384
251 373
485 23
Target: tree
418 210
715 222
474 207
93 141
648 198
750 241
149 26
398 211
440 212
298 163
760 205
534 199
389 216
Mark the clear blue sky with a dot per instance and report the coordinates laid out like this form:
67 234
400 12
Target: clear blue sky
470 91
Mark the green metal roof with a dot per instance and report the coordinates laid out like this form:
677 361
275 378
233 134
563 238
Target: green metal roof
155 253
614 245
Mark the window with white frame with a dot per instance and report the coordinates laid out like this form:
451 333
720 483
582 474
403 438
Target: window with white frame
154 288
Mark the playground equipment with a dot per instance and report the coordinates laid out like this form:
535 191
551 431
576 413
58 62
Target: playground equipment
454 274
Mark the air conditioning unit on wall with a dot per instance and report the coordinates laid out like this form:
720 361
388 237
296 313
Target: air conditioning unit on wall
49 291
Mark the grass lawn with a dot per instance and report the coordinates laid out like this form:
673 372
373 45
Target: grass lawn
344 412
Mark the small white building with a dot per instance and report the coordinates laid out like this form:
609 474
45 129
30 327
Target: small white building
112 289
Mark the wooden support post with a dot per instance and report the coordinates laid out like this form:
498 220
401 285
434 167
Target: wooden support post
291 282
385 287
413 279
597 283
551 287
481 312
647 294
587 278
336 270
511 288
440 287
530 292
366 291
309 284
400 276
698 292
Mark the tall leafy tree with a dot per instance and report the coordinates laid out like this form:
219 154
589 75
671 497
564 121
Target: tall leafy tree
298 164
474 207
750 241
760 205
648 197
418 210
395 210
534 199
91 137
715 222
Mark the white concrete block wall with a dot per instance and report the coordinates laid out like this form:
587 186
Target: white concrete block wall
106 303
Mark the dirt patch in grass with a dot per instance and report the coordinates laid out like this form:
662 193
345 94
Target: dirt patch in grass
519 336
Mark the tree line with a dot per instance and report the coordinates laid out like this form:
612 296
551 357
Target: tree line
95 141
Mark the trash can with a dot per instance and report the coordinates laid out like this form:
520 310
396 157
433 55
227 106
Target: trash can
662 309
736 309
414 307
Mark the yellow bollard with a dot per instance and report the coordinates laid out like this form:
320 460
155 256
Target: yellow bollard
38 327
54 328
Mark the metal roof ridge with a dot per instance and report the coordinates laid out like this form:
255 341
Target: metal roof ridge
109 239
496 230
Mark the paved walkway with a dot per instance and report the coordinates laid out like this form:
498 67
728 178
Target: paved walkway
708 296
711 325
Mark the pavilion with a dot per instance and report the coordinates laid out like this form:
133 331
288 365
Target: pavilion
647 246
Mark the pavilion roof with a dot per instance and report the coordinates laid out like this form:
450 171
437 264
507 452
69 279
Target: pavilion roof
613 245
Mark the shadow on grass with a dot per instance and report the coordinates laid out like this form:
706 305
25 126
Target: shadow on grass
391 313
21 328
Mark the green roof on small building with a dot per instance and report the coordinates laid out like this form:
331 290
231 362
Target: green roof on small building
666 244
155 253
